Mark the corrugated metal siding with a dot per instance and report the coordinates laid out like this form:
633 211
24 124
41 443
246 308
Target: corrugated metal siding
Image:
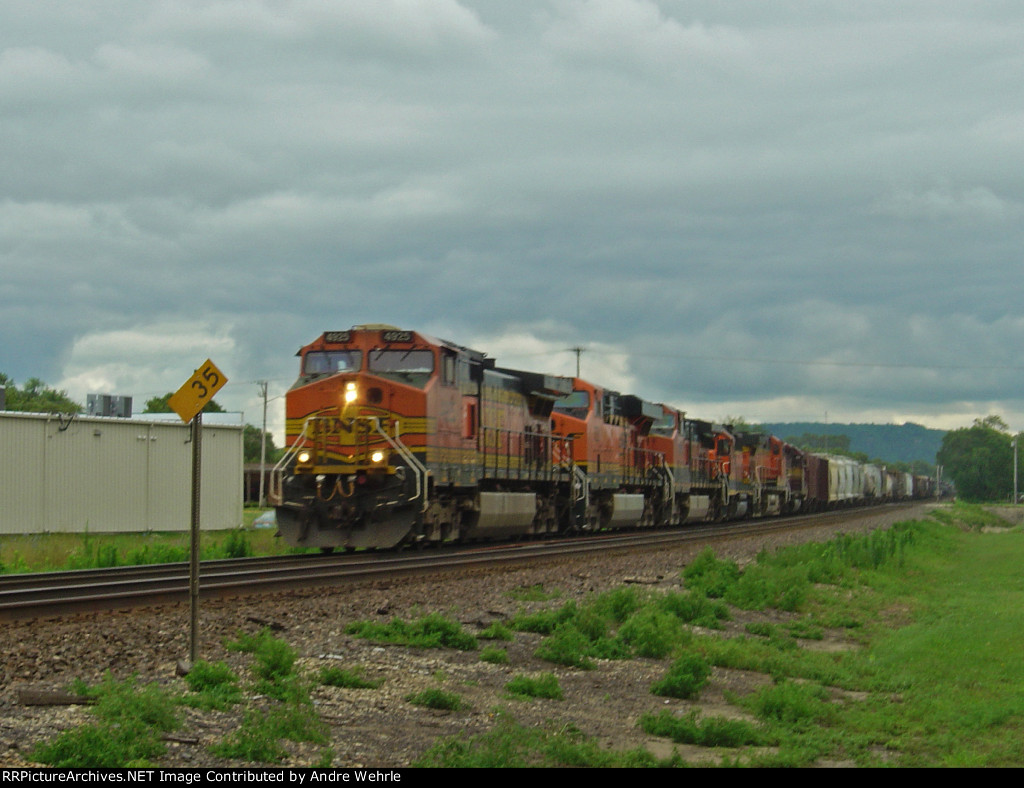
100 475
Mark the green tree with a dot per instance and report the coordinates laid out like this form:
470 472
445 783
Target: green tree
251 445
979 460
36 397
740 424
159 405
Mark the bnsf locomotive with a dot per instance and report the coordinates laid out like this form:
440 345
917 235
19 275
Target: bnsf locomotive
396 437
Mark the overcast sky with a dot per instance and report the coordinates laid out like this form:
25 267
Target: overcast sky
779 210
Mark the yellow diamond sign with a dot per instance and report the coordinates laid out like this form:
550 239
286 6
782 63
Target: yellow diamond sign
197 391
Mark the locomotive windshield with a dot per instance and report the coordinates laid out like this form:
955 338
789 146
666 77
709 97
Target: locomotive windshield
405 366
576 404
666 425
319 362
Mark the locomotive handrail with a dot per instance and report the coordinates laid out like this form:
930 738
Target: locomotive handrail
275 493
419 468
530 458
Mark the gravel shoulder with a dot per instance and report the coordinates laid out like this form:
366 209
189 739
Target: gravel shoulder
379 728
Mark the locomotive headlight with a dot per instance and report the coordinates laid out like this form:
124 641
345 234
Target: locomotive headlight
350 392
377 457
303 457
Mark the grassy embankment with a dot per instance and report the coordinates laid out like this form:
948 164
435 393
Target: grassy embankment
936 608
55 551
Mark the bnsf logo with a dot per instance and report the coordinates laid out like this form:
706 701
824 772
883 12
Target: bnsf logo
396 336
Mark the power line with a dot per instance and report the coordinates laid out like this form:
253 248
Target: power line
762 360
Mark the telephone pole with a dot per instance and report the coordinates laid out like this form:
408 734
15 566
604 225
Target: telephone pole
578 351
263 441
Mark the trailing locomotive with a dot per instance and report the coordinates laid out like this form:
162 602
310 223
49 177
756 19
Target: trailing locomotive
396 437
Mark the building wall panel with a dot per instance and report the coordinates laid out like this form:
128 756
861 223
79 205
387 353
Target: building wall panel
103 475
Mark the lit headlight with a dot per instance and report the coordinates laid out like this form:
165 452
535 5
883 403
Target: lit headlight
350 392
303 457
377 457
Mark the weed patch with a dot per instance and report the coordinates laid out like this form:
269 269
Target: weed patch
436 699
511 745
430 631
543 686
130 721
496 656
796 705
685 678
215 686
347 679
705 732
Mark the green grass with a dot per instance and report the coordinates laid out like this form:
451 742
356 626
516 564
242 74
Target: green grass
496 631
259 737
129 722
347 679
704 732
620 624
215 686
544 685
685 678
23 553
496 656
960 656
511 745
434 698
430 631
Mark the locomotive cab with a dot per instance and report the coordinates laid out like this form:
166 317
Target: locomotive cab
396 437
357 470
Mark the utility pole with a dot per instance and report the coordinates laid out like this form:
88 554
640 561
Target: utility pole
263 441
1015 469
577 351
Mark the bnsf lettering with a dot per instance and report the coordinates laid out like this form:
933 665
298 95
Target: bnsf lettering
335 426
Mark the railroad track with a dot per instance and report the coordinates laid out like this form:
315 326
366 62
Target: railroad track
58 594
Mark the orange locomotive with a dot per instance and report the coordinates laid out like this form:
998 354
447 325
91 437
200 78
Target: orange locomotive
396 437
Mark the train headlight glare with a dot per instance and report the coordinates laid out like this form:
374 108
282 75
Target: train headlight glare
350 393
377 456
304 457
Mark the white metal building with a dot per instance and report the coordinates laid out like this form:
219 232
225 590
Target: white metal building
82 473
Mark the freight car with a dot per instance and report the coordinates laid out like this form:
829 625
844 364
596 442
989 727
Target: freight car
395 437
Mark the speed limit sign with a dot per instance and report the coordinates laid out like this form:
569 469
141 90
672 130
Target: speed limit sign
197 391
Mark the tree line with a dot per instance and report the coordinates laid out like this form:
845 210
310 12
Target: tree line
980 459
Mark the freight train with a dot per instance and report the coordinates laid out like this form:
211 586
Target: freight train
395 437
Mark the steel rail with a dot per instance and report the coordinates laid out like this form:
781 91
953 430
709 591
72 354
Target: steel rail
59 594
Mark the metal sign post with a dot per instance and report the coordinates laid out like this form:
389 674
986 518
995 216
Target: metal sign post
193 557
188 402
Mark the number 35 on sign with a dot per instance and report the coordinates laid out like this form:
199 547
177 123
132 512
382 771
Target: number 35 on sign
197 391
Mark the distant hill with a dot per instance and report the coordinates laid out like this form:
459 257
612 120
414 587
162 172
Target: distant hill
891 442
